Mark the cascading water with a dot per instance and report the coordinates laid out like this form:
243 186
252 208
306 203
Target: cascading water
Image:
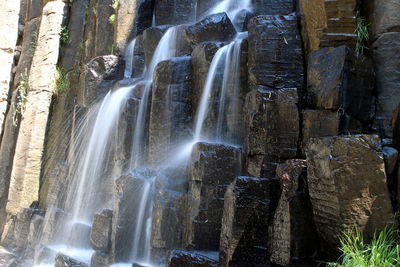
128 59
231 7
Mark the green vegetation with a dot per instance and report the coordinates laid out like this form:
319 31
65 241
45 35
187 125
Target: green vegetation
111 49
35 40
94 10
70 2
383 251
22 92
64 35
62 82
115 4
362 33
112 19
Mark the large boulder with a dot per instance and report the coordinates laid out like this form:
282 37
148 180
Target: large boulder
248 207
275 52
347 186
66 261
180 258
100 259
216 27
328 23
386 50
101 73
171 109
292 238
212 168
100 236
339 79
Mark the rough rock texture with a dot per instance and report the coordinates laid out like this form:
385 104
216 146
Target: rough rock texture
211 170
319 123
338 79
273 7
175 12
180 258
127 190
66 261
275 52
390 155
100 259
9 16
171 110
248 206
132 17
347 185
292 238
151 38
386 50
100 74
169 209
100 236
328 23
384 16
217 27
24 185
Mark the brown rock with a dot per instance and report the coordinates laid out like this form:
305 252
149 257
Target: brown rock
339 79
66 261
100 236
275 53
328 23
273 7
383 16
347 185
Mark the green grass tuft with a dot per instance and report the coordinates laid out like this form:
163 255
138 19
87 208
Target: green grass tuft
362 34
383 251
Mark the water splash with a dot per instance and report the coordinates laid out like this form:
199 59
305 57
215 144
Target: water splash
231 7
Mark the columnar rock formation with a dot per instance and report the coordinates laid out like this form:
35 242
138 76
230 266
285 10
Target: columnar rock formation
311 150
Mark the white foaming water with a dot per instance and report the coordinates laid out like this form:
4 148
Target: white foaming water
231 7
128 56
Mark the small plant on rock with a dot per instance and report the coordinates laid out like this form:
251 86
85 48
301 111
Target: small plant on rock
61 82
22 92
362 33
64 35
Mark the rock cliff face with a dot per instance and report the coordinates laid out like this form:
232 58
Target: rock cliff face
312 145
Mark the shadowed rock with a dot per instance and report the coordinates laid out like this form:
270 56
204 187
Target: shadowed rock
211 170
175 12
151 38
217 27
383 16
339 79
275 53
180 258
292 238
273 7
100 259
386 51
248 206
347 185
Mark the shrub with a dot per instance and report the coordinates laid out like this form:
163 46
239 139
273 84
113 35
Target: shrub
64 35
362 33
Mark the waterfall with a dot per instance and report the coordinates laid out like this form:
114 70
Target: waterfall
227 58
231 7
128 58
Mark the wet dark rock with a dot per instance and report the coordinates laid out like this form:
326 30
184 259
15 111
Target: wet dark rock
248 206
211 170
175 12
384 16
347 186
171 109
386 51
275 53
217 27
328 23
390 155
100 74
202 57
66 261
100 259
100 236
128 189
169 209
339 79
104 42
273 7
144 17
396 128
180 258
151 38
292 236
138 60
241 20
